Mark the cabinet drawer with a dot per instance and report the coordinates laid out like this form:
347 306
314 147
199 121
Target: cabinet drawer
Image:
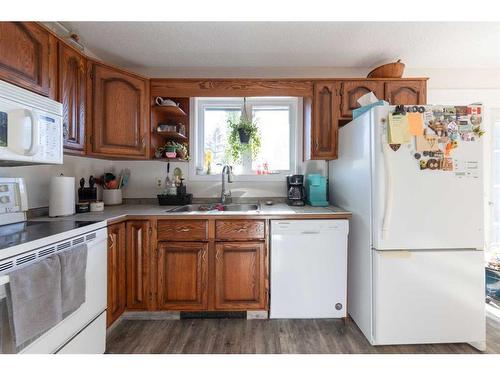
183 230
240 229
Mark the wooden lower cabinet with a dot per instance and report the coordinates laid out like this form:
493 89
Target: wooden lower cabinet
240 275
182 275
117 297
138 264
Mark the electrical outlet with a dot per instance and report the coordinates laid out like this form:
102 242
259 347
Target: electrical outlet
158 181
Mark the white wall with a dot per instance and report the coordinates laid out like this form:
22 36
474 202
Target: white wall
38 176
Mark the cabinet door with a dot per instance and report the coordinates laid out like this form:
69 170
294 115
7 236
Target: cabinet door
117 297
72 95
28 57
182 275
351 91
240 275
138 261
120 111
324 135
406 92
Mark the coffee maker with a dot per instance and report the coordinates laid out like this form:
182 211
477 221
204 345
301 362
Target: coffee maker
296 193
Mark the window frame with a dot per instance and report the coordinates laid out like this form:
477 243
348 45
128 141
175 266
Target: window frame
199 104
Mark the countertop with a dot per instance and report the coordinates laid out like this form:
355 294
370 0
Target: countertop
275 211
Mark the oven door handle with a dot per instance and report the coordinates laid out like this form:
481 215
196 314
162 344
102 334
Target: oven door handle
35 133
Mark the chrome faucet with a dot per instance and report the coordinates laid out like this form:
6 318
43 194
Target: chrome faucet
225 196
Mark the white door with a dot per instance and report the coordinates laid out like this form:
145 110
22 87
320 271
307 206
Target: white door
308 269
428 297
425 209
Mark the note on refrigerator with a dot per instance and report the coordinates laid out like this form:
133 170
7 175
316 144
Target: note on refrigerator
416 123
399 130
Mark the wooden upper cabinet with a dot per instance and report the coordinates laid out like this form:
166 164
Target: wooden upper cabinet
324 126
120 113
406 92
182 275
351 91
117 297
138 264
28 57
72 95
240 275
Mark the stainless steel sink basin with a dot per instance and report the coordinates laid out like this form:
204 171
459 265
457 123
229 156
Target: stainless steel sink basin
216 207
241 207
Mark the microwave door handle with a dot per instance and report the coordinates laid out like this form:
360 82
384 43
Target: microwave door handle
34 134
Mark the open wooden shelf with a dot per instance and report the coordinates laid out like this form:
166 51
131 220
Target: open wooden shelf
171 110
169 115
173 160
173 135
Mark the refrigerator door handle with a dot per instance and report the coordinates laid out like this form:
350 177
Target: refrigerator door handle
388 188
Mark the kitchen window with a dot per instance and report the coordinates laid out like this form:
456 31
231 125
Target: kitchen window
276 120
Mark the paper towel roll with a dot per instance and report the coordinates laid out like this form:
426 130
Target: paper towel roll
62 196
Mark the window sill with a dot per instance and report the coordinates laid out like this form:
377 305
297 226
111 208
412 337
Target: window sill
242 178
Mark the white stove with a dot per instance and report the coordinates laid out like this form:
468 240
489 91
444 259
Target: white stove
23 243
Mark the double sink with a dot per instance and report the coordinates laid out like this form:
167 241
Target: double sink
243 207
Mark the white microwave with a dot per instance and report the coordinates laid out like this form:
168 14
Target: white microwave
30 128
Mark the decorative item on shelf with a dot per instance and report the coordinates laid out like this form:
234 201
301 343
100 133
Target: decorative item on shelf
166 128
165 102
390 70
243 136
172 150
182 129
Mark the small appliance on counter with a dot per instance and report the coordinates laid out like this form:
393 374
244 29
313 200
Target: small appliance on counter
316 190
296 193
62 196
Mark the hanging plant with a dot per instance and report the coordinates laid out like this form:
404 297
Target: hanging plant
243 136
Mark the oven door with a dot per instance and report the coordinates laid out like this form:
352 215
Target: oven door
89 314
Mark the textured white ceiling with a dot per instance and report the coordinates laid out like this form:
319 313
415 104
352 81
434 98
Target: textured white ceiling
292 44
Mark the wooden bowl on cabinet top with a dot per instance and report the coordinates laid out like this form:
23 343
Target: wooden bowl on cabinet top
391 70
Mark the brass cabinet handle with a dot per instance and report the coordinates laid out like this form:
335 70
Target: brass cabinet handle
143 141
111 240
217 255
241 229
203 256
183 230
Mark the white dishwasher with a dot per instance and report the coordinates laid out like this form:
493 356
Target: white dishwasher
308 268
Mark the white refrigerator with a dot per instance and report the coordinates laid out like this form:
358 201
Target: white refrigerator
415 256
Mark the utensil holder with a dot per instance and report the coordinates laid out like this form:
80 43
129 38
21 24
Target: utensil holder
112 197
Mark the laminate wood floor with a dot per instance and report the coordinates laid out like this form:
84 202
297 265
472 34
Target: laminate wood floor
239 336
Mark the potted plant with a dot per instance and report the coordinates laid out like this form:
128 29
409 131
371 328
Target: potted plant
243 136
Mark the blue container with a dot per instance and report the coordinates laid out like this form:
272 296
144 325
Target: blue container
359 111
316 190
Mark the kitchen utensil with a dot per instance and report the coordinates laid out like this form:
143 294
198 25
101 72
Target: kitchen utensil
391 70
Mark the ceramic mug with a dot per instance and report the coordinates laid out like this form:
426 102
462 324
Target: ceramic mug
165 102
